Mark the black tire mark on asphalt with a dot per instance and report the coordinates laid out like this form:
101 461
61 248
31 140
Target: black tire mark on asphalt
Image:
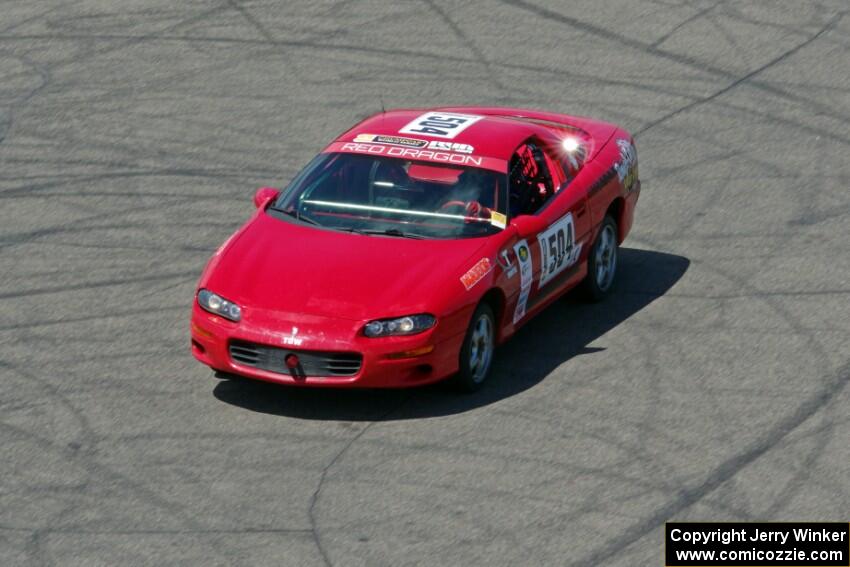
314 499
555 16
741 80
82 225
698 15
574 74
267 36
354 48
729 468
687 225
110 476
94 52
96 284
687 497
211 531
685 60
306 44
803 471
72 320
15 105
62 5
479 56
252 21
80 456
62 181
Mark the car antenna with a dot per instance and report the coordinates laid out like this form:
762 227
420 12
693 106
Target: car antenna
381 98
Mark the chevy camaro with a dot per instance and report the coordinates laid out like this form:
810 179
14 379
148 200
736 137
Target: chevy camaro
414 244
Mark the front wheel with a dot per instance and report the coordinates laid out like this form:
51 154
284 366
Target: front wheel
602 262
476 354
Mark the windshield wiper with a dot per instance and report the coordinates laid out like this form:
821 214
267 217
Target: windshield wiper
294 214
402 234
385 232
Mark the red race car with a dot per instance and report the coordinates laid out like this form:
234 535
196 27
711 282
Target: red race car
414 244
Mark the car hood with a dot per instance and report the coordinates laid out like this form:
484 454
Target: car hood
276 265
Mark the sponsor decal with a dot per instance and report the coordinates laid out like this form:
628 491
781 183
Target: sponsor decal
391 140
476 273
498 219
451 147
627 166
523 255
557 248
440 124
508 267
410 153
292 339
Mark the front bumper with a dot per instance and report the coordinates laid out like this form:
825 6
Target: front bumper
390 362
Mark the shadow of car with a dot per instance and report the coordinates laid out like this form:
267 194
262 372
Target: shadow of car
561 332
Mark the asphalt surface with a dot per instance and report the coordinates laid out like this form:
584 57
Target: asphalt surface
713 386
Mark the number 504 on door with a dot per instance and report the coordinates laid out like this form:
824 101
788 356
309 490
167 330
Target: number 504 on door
558 250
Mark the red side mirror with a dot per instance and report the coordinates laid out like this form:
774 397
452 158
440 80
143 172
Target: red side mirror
264 195
528 225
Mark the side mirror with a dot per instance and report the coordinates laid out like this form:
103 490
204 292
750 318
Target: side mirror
528 225
264 195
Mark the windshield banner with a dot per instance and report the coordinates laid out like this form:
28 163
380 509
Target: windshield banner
443 157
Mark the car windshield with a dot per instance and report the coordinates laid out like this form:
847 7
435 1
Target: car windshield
396 197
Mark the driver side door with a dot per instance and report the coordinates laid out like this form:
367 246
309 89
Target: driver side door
553 253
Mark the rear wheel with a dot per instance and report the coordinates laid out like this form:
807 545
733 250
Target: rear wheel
476 354
602 262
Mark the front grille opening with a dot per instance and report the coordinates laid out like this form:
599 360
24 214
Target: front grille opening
245 354
313 363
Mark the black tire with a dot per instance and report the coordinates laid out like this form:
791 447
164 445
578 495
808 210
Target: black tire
599 282
471 375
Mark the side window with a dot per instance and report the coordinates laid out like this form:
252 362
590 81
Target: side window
530 182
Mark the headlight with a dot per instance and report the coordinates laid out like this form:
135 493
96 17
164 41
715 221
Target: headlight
409 325
215 303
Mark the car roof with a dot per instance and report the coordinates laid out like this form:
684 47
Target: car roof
491 136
